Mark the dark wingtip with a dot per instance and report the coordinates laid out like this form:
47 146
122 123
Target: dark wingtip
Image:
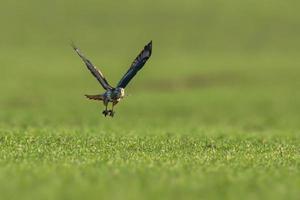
73 45
149 45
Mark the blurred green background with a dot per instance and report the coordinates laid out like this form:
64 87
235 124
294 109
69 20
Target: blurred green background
218 68
213 61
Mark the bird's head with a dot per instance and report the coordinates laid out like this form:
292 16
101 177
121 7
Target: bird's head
120 92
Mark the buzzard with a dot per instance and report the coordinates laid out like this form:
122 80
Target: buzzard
115 94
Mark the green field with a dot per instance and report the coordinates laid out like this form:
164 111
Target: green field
214 114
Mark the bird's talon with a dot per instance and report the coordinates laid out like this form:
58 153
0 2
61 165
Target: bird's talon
112 113
105 112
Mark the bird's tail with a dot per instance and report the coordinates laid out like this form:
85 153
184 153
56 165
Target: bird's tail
98 97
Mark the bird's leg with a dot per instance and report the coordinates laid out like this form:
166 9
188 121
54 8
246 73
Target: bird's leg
105 112
112 113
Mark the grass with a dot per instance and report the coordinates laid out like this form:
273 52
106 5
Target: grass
214 114
161 166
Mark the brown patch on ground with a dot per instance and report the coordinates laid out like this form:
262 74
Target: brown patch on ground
192 82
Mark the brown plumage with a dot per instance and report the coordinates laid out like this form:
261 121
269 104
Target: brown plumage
98 97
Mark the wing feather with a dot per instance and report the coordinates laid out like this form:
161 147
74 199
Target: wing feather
96 73
137 64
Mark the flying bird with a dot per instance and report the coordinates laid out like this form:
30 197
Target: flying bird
115 94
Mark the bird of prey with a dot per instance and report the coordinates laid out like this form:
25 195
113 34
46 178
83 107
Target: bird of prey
115 94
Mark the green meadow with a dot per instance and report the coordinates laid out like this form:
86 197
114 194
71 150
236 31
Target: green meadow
214 114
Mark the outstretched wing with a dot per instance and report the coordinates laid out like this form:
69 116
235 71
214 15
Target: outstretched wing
97 73
137 64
